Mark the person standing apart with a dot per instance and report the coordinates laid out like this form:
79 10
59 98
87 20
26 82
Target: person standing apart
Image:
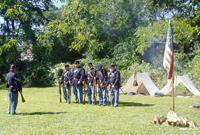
13 85
102 78
78 81
65 80
90 75
114 81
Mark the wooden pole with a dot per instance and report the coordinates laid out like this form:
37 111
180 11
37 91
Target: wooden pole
172 77
173 93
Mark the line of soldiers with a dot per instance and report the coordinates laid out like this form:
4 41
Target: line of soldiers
78 78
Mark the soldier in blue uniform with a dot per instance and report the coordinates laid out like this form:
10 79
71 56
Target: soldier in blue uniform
78 81
90 75
101 79
114 81
14 86
65 80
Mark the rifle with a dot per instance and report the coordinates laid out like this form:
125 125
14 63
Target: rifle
107 94
23 99
84 94
95 90
60 93
69 93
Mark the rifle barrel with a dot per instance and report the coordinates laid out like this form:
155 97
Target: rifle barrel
60 93
69 93
107 94
84 95
95 92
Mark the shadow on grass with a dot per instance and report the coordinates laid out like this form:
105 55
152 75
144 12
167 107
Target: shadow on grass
125 104
40 113
134 104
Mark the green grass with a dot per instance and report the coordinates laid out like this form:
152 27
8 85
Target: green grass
43 114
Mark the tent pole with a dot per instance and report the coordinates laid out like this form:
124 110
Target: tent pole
173 93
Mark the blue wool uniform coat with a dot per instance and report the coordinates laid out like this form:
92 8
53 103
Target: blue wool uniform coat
13 80
90 74
66 77
77 75
102 77
114 79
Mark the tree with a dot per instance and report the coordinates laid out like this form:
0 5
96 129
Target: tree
93 26
185 21
22 21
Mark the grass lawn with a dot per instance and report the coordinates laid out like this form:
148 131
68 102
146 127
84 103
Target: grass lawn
43 114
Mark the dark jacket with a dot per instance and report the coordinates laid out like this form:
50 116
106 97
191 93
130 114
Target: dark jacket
12 80
77 74
114 78
102 77
90 74
66 77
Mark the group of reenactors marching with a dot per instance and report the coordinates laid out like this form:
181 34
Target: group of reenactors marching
78 78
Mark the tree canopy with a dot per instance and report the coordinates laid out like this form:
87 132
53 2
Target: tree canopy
123 32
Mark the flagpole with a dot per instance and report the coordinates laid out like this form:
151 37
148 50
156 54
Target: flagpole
172 81
173 93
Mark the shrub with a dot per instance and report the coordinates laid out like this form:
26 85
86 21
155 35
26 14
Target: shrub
37 74
56 72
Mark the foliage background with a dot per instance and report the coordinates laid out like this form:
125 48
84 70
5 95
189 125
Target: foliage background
128 33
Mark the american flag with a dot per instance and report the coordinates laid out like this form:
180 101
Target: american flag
168 61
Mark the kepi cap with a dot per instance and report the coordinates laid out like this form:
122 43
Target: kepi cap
89 63
66 65
12 66
76 61
112 65
99 67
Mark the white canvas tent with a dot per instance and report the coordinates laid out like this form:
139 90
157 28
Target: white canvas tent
145 85
186 81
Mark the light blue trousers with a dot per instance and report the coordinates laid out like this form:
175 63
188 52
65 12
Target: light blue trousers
66 94
89 93
102 96
114 97
13 100
78 93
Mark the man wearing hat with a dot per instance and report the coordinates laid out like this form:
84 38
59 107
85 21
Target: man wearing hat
65 80
114 81
78 81
14 86
90 74
102 78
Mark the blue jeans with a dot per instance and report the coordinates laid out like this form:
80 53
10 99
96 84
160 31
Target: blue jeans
102 96
13 100
78 93
114 97
66 94
90 92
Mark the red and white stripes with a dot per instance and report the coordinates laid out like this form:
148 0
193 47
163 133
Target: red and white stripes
168 61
